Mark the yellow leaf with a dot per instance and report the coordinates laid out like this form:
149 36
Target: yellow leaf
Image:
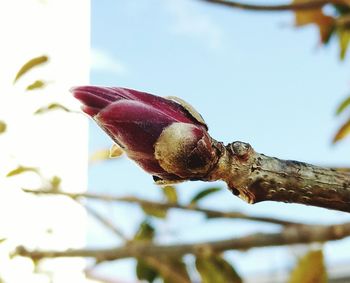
29 65
21 169
170 194
216 269
343 105
344 39
2 127
342 132
115 151
36 85
315 16
154 211
99 155
310 269
50 107
106 154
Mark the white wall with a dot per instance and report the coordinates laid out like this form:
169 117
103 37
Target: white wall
55 142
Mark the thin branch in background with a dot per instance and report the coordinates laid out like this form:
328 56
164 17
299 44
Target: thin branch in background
289 236
307 5
208 212
106 222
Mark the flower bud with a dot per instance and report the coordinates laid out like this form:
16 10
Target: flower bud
166 137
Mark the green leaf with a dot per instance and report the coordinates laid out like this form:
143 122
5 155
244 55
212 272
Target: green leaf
29 65
22 169
50 107
145 272
3 127
342 9
344 39
36 85
310 269
204 193
2 240
170 194
343 105
342 132
145 232
216 269
177 266
55 183
154 211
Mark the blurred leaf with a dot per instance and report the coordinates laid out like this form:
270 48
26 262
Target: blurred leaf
29 65
342 132
99 155
145 272
324 22
36 85
170 194
342 9
216 269
204 193
343 105
3 127
115 151
145 232
22 169
179 267
310 269
2 240
55 183
344 39
154 211
50 107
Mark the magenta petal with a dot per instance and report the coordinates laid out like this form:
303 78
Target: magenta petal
135 120
101 97
133 124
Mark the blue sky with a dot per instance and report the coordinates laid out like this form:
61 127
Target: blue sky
253 76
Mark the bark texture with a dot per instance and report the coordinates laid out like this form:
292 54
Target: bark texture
255 177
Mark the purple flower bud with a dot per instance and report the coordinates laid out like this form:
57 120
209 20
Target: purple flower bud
166 138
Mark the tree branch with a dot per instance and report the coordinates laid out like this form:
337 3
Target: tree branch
291 235
210 213
256 177
106 222
307 5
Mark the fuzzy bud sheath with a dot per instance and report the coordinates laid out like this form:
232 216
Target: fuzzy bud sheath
166 137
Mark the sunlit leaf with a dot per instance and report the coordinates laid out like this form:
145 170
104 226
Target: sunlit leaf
344 39
36 85
178 267
310 269
324 22
342 132
50 107
170 194
3 127
21 169
154 211
99 155
343 105
115 151
216 269
145 272
204 193
29 65
55 183
2 240
145 232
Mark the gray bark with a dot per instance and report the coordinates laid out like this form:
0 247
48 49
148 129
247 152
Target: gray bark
255 177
